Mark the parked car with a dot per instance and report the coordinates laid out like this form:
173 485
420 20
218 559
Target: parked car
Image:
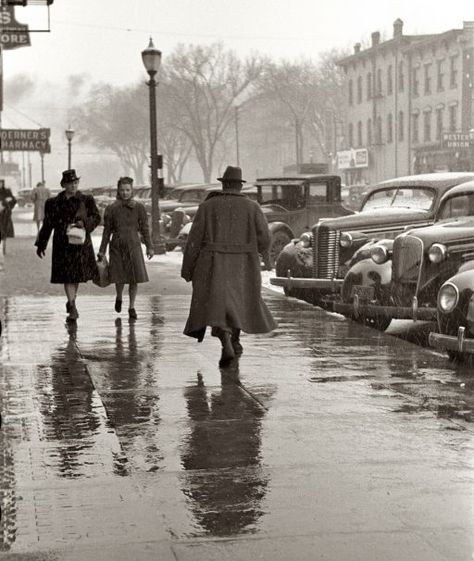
400 279
313 268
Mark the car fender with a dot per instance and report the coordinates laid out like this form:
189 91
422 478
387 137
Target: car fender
275 227
368 273
463 313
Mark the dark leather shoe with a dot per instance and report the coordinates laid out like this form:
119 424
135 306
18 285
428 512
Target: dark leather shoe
118 305
238 349
132 314
73 313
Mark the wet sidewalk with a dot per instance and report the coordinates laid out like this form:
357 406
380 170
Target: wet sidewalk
125 441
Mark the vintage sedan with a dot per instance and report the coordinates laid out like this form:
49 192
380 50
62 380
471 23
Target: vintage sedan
313 268
401 278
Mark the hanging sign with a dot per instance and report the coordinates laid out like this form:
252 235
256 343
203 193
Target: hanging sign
12 34
25 140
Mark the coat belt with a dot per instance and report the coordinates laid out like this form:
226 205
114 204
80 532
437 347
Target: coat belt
220 247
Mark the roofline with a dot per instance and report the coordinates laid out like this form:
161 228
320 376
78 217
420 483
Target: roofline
299 177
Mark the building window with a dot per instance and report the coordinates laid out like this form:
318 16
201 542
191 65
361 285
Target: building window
359 89
440 79
369 85
350 92
359 134
378 131
401 77
453 71
415 82
389 80
389 128
415 132
369 132
427 126
401 126
351 135
453 118
439 123
379 82
428 78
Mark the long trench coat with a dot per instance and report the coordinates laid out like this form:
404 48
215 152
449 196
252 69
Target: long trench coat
7 203
39 196
70 263
221 258
125 221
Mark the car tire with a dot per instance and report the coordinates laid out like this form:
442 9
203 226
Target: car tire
380 323
278 242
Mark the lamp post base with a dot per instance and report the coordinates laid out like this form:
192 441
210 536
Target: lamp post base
159 247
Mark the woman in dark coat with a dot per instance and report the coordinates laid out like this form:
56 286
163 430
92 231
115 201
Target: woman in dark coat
7 203
70 264
221 258
125 221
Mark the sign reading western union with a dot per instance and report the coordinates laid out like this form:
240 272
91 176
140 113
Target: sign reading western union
25 140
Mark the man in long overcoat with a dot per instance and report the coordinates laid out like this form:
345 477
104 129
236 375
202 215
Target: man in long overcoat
221 258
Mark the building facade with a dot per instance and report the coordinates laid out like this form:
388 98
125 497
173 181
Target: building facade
409 105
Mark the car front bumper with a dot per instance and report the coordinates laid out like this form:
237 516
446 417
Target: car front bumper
358 309
458 343
327 285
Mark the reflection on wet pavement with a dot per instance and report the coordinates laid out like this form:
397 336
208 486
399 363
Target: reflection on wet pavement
128 431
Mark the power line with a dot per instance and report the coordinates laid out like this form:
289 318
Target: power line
178 34
24 115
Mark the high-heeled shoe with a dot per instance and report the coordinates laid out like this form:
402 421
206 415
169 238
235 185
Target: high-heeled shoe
118 305
132 314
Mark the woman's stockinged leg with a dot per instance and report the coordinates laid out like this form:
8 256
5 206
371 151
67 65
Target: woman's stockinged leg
118 299
132 293
71 292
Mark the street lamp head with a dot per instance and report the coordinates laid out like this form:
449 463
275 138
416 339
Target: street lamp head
69 134
28 2
151 57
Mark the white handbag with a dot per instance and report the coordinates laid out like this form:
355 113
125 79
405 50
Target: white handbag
76 235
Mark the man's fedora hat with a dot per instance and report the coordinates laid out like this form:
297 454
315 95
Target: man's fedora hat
69 176
232 174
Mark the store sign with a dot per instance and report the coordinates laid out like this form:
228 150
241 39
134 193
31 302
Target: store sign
456 140
353 158
25 140
12 33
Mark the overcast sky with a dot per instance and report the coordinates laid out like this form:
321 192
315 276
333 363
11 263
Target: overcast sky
104 38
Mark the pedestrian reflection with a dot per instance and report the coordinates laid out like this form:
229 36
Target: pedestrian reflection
224 481
68 410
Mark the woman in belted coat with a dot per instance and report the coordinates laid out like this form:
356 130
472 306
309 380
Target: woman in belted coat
221 258
70 264
125 221
7 203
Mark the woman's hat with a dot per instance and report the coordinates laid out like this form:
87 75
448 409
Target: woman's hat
232 174
69 176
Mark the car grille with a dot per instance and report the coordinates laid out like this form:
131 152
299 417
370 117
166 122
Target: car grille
407 263
325 252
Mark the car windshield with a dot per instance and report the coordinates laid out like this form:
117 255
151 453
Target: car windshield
416 198
459 205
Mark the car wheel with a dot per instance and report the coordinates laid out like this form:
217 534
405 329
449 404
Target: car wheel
380 323
279 240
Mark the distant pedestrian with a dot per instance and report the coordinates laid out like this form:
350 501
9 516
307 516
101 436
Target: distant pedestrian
7 203
221 258
39 196
71 263
125 221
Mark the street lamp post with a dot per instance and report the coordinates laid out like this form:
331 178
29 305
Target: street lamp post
151 57
69 135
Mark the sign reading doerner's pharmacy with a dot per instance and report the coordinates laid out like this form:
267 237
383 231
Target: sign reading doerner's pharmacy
12 33
25 140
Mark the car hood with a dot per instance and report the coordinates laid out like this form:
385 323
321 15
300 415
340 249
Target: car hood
446 231
168 205
367 219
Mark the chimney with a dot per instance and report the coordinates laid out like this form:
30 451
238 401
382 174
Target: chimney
397 28
357 48
375 38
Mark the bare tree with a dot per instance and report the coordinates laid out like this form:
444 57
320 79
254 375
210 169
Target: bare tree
205 81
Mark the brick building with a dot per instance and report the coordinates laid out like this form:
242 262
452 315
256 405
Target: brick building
404 96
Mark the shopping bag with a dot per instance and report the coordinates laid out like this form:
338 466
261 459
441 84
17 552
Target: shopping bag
102 277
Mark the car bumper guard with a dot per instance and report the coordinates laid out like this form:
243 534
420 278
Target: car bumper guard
458 343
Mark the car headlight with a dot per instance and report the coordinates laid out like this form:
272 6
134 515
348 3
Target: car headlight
306 239
448 297
345 240
379 254
437 253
